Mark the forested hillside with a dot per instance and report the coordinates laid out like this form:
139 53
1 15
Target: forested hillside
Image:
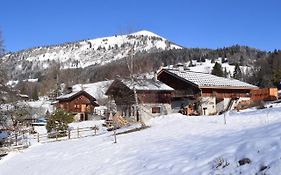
59 66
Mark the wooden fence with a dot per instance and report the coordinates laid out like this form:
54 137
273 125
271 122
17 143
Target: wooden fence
22 139
65 135
17 140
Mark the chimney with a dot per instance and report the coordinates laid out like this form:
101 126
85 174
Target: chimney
160 68
69 90
82 87
155 76
180 67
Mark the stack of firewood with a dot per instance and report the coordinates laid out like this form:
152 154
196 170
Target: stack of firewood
119 121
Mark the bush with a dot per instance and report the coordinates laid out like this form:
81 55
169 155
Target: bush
244 161
220 163
58 122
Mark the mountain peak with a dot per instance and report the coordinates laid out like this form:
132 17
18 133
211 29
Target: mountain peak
145 33
84 53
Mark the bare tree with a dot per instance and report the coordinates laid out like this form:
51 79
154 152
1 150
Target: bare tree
132 74
2 50
3 78
7 95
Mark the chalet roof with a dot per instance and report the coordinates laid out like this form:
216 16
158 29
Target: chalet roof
204 80
96 90
73 95
66 96
146 84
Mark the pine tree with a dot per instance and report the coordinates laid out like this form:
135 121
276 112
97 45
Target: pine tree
237 74
190 63
2 50
217 70
59 122
225 73
35 93
242 60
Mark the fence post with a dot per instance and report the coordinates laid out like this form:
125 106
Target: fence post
38 138
77 132
16 137
95 128
23 139
69 134
114 133
56 135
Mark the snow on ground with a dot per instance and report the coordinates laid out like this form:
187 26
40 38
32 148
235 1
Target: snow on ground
173 144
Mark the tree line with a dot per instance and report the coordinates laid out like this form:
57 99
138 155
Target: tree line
263 68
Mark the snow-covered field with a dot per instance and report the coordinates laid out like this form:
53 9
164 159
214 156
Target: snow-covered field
173 144
207 66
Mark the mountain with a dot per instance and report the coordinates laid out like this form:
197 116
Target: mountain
81 54
101 59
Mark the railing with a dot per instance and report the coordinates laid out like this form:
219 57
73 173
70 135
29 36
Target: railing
16 140
66 135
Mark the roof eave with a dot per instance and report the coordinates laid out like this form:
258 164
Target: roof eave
154 90
227 87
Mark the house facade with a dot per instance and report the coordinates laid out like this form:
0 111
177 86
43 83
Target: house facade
153 97
204 94
80 104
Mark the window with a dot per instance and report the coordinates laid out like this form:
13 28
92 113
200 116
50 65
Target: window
155 110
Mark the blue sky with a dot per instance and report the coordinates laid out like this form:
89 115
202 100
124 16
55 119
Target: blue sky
190 23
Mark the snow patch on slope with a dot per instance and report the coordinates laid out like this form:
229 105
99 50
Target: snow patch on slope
207 66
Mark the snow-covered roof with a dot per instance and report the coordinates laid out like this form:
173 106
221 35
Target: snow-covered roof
146 84
204 80
64 96
23 95
96 90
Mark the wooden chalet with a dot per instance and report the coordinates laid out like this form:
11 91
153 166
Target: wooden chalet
154 97
204 94
78 103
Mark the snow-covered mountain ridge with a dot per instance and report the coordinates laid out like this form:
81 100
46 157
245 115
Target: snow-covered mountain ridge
86 52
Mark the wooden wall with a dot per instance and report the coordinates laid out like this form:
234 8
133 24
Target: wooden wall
154 96
80 104
225 93
264 94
